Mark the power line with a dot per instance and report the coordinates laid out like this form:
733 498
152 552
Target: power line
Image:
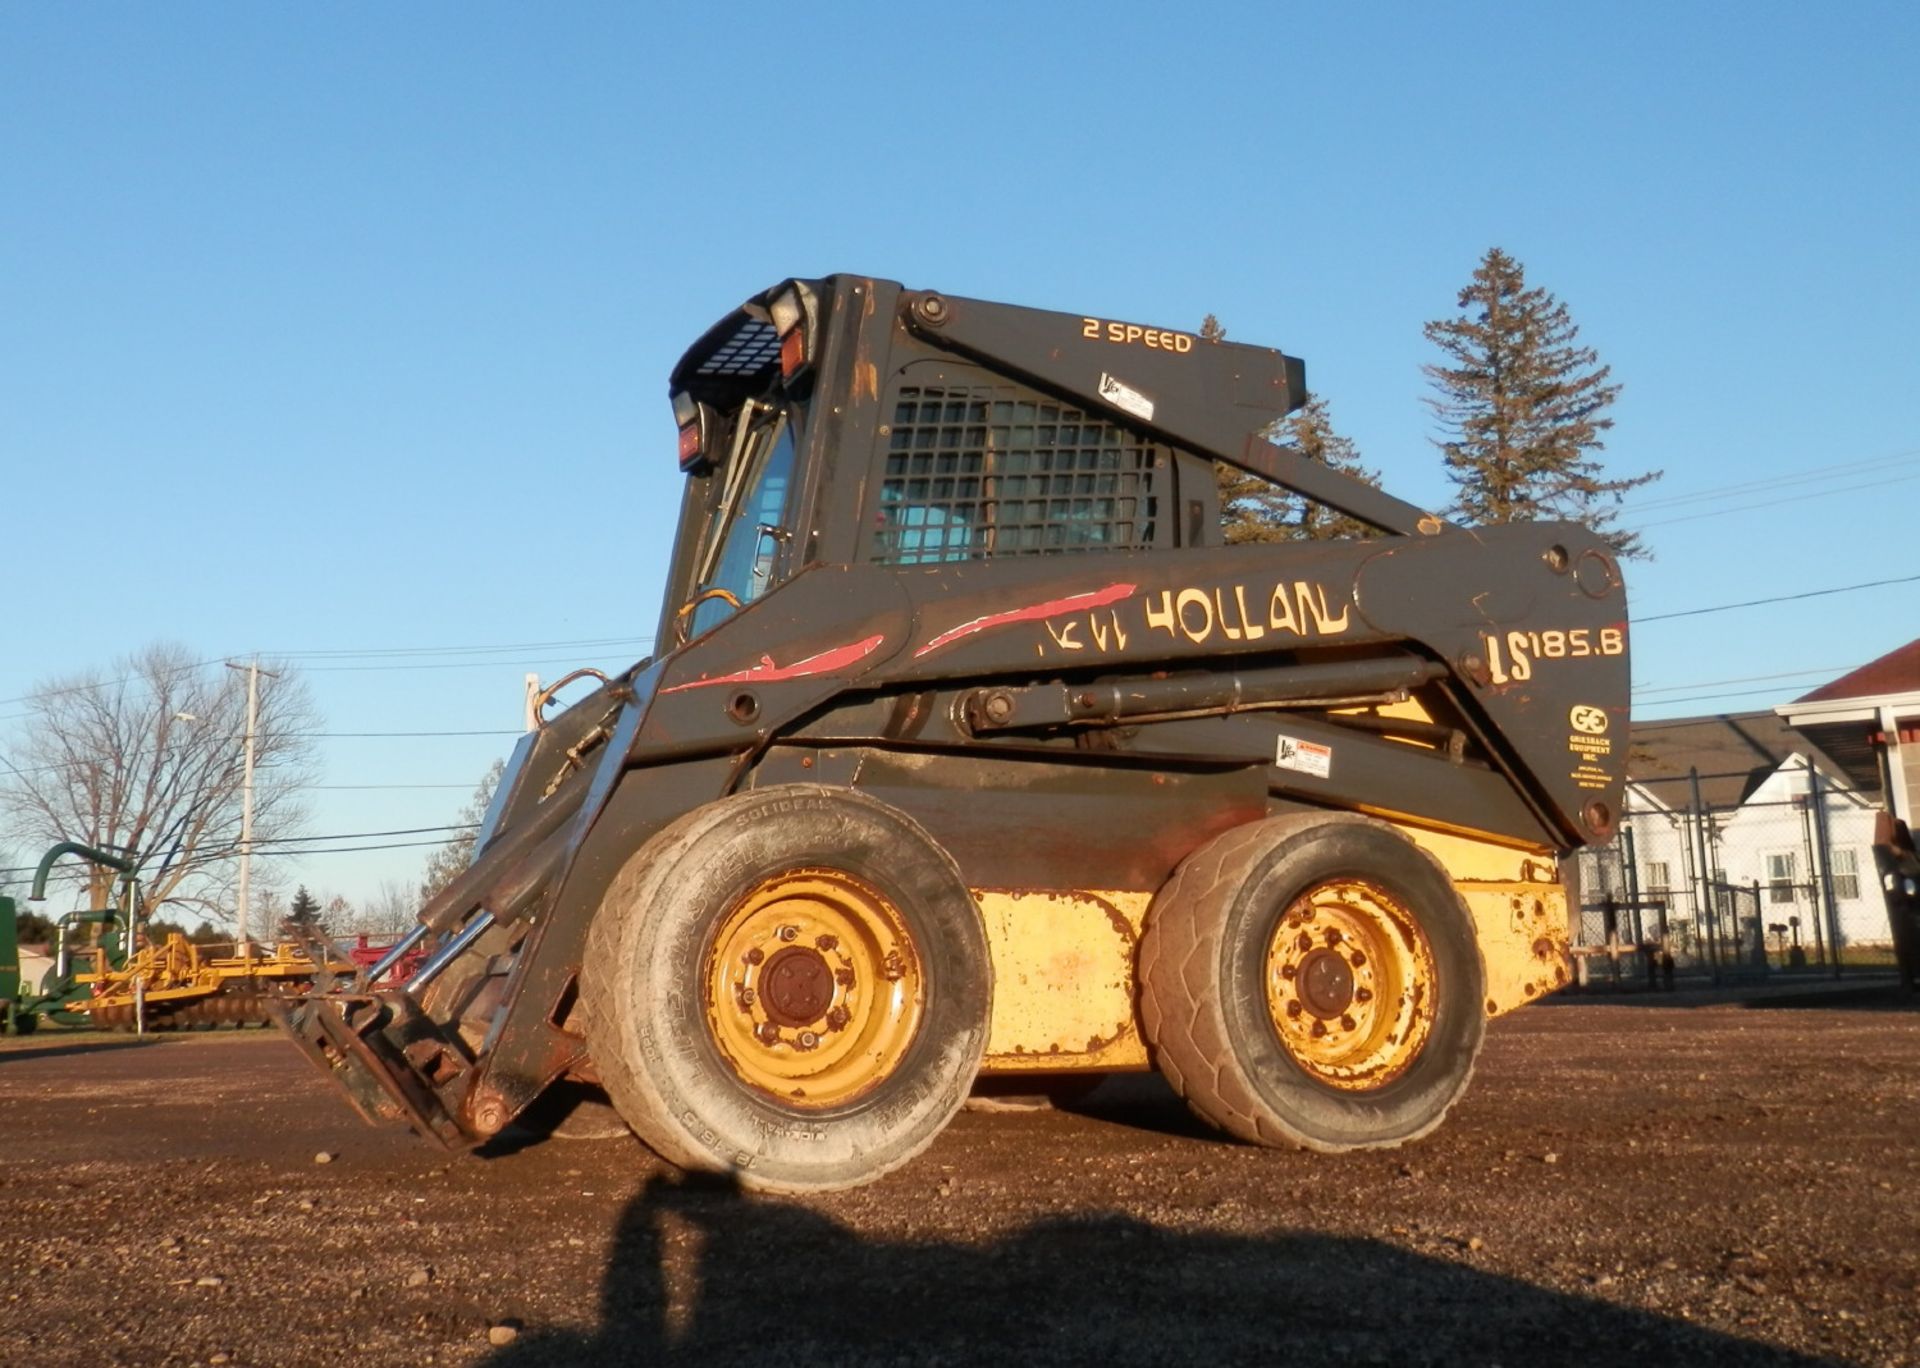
1802 475
362 835
1778 598
266 847
340 736
281 736
1670 723
104 683
1799 498
1702 698
548 664
371 652
354 850
363 787
360 653
1742 679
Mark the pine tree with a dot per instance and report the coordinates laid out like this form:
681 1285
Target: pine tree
305 909
1257 510
1251 509
1309 430
1522 408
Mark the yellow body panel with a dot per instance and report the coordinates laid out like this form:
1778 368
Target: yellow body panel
1519 908
1064 991
1063 986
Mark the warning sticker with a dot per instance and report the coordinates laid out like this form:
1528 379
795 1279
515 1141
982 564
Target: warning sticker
1126 398
1307 757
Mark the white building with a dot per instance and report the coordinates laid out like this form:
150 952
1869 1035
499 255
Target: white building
1868 720
1739 839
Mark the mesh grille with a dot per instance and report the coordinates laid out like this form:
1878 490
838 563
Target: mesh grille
754 348
992 471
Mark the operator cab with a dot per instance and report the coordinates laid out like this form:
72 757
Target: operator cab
739 404
847 420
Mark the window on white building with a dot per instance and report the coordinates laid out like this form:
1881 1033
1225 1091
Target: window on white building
1659 876
1780 877
1846 872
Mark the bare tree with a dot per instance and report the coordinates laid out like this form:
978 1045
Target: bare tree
447 862
392 909
15 872
147 757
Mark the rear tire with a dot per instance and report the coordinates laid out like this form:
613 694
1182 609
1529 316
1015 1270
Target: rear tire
790 985
1313 980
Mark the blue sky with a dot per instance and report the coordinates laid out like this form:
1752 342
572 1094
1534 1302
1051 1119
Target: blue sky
328 331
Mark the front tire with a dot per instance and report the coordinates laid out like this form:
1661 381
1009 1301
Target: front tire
1313 980
790 985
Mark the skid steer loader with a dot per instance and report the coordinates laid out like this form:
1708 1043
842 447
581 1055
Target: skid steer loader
971 749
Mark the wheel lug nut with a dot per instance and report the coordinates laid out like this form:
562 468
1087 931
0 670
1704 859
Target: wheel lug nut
828 942
768 1032
1363 995
1319 1029
1346 1023
788 933
808 1040
1293 1009
755 955
837 1019
1333 936
1358 960
747 997
844 977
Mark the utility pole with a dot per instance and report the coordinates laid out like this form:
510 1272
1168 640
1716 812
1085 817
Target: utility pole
245 945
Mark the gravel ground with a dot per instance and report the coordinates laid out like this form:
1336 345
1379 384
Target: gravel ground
1639 1181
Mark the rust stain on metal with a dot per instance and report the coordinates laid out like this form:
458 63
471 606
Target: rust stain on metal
1519 909
1063 977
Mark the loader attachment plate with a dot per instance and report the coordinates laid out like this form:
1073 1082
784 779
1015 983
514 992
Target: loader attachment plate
346 1037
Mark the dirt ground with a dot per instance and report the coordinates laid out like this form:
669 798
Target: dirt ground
1625 1182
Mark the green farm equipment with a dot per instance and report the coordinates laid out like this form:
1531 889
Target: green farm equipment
125 980
64 991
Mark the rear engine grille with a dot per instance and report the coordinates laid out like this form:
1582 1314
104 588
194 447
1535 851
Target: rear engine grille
753 348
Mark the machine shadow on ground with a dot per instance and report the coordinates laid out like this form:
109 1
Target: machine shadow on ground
55 1049
1880 999
1882 995
703 1274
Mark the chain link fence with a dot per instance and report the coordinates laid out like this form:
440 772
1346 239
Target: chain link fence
1782 883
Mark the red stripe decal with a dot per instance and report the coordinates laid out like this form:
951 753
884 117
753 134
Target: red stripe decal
1078 603
766 672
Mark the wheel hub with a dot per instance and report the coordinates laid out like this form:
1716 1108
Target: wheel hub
1350 984
813 989
1326 983
797 986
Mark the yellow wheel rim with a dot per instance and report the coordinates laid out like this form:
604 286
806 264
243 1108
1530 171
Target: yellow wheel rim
1350 984
813 989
